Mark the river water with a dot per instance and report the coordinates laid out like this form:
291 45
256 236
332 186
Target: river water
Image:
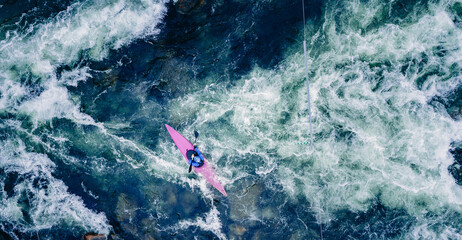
87 86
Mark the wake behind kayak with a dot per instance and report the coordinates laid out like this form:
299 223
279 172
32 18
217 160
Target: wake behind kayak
206 169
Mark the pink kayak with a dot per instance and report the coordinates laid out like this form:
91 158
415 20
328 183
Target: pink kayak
206 170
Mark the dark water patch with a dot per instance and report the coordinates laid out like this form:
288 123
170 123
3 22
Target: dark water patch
397 12
378 222
4 235
10 181
20 14
11 231
284 117
456 11
405 8
456 168
342 134
31 82
236 34
428 72
58 232
440 51
414 65
457 8
451 101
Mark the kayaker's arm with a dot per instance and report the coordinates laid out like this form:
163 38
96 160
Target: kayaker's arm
199 153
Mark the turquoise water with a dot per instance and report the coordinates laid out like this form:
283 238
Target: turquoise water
87 86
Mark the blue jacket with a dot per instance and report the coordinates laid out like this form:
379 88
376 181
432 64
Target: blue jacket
198 160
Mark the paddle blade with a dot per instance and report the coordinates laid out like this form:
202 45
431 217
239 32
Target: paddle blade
196 134
190 167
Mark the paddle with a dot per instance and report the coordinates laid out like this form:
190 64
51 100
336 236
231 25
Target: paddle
196 134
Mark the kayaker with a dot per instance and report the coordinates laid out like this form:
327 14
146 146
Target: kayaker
197 158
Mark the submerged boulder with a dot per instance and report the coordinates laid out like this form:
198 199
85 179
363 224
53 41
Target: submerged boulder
130 221
94 236
187 6
126 208
247 205
237 230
